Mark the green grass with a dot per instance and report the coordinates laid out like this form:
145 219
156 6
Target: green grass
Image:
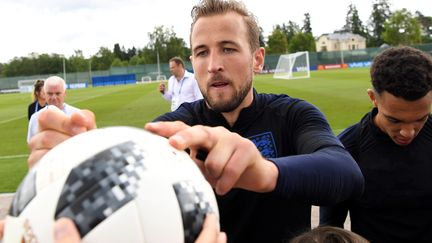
339 94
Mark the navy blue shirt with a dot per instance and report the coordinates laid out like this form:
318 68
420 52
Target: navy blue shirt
397 202
314 168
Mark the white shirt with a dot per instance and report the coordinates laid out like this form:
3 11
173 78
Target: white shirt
184 90
33 126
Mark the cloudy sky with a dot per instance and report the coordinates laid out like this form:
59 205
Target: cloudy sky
63 26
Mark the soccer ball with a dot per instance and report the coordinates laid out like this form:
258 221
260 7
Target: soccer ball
118 184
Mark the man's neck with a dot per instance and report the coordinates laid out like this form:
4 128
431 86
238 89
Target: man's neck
231 117
179 77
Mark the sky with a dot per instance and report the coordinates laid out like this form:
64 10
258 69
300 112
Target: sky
64 26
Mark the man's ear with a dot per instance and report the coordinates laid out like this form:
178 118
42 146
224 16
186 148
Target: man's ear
372 96
259 60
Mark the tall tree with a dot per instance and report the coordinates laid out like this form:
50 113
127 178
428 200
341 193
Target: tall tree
402 29
78 63
307 27
119 63
131 52
380 13
103 59
426 26
302 42
119 52
35 64
353 22
289 30
163 41
277 42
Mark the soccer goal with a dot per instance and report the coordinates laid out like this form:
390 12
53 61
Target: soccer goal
292 66
26 86
161 77
146 79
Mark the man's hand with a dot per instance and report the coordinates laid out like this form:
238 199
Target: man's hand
1 228
55 127
162 88
210 232
232 161
66 232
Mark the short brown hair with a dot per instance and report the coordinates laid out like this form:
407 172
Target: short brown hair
177 60
216 7
329 234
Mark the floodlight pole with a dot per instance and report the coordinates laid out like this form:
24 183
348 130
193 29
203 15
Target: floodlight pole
64 69
341 51
90 72
158 63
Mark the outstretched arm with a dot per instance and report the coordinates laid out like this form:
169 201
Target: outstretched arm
55 127
328 176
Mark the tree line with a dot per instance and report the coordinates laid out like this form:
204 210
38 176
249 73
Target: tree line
382 27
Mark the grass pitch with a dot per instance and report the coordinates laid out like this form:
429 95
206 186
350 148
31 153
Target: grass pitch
339 94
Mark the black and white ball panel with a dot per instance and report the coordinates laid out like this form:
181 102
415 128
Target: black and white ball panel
117 184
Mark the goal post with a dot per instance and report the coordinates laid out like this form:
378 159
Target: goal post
26 86
161 77
293 66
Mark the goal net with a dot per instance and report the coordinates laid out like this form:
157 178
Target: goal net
292 66
26 86
145 79
161 77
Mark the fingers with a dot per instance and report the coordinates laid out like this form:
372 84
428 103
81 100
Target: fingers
165 129
232 161
65 231
237 166
228 157
54 119
42 142
84 118
196 136
210 232
1 229
35 156
55 127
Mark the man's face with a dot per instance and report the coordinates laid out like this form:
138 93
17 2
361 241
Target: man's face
55 94
223 62
175 69
402 120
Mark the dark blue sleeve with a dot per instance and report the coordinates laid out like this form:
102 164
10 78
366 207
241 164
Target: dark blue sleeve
335 215
325 177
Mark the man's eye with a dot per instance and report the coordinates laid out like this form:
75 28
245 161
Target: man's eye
228 50
393 121
201 53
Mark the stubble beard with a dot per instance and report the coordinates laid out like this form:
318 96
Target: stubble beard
217 104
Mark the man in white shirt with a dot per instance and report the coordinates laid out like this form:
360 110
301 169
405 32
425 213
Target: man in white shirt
55 93
182 86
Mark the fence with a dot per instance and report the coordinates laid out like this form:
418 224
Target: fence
315 59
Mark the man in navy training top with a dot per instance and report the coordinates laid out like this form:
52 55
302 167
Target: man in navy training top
392 144
269 157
